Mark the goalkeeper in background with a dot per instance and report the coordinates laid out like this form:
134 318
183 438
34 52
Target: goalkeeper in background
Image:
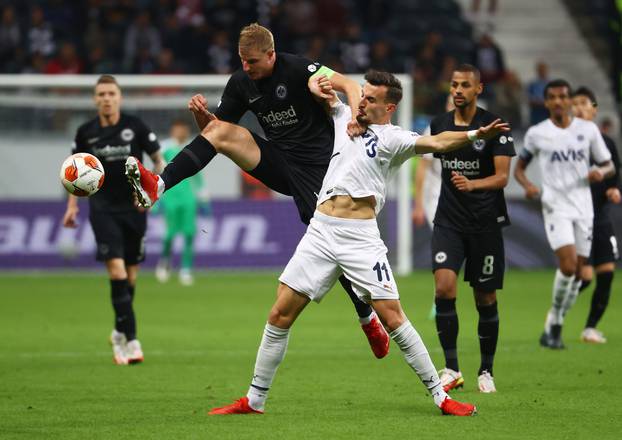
180 205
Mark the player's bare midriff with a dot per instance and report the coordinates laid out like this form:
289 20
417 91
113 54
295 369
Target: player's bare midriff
348 207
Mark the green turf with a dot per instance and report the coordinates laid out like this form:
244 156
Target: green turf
57 379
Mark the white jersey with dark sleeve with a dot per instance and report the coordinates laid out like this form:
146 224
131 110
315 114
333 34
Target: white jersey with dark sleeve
362 166
563 156
285 108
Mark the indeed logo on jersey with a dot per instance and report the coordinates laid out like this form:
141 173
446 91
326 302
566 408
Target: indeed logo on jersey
280 119
111 153
465 167
568 156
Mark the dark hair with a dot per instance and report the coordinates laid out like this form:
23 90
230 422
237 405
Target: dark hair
469 68
557 83
393 85
584 91
107 79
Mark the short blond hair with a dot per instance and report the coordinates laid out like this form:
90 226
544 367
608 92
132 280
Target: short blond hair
257 37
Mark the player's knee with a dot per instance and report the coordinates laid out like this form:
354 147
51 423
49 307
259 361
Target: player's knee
485 298
568 266
279 319
445 289
216 132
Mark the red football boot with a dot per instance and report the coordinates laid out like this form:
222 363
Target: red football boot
143 182
377 336
452 407
240 406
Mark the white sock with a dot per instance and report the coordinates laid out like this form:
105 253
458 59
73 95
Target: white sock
416 355
561 285
269 356
571 297
367 320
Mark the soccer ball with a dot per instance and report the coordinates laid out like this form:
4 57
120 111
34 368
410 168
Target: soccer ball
82 174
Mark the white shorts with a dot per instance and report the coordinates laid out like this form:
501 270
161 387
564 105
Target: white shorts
333 246
562 231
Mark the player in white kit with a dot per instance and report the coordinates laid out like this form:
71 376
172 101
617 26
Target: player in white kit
562 145
343 236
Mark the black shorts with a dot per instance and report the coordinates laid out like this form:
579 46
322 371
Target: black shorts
119 235
283 175
484 254
604 244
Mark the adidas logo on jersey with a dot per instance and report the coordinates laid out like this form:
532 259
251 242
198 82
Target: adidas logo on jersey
285 117
568 156
460 165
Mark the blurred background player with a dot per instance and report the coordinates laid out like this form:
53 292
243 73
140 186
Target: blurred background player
604 244
468 226
562 146
343 237
294 156
180 206
119 226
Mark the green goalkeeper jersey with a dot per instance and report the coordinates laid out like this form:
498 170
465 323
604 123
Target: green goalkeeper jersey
186 191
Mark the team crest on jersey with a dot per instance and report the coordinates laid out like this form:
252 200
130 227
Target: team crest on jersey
440 257
503 140
311 68
479 144
127 134
580 138
281 91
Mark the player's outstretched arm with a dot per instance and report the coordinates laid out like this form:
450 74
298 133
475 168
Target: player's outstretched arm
453 140
322 88
71 213
353 91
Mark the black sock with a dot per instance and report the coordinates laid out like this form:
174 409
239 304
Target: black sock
600 298
131 289
189 161
584 284
123 311
488 331
447 329
362 309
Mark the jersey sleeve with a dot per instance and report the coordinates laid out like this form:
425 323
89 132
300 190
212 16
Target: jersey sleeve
402 144
306 68
147 139
503 145
77 146
598 148
232 106
530 147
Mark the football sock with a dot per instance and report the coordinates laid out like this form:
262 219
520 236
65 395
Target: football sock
131 289
122 305
571 297
447 329
189 161
584 284
269 356
188 253
363 310
416 355
600 298
561 286
367 319
488 331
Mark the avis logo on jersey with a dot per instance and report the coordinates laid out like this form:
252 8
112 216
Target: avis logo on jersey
568 156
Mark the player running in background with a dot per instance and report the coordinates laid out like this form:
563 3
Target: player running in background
604 244
180 210
343 237
562 146
294 157
119 227
468 227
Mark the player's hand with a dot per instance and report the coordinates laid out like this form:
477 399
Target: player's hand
595 175
493 129
198 106
613 195
321 87
418 215
532 192
461 182
70 218
355 129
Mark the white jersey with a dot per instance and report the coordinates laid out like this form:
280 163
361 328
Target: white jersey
361 167
563 155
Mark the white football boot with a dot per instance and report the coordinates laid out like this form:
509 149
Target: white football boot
486 383
134 352
593 336
163 270
450 379
118 343
185 277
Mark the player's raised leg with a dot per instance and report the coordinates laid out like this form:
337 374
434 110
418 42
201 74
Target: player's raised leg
417 357
289 304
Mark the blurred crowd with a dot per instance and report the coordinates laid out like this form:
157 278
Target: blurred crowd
425 39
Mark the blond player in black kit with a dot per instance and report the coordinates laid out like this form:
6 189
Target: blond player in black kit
293 160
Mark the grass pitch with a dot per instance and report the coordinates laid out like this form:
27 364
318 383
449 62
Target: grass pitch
57 379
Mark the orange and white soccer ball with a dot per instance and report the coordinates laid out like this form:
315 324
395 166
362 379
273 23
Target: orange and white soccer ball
82 174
